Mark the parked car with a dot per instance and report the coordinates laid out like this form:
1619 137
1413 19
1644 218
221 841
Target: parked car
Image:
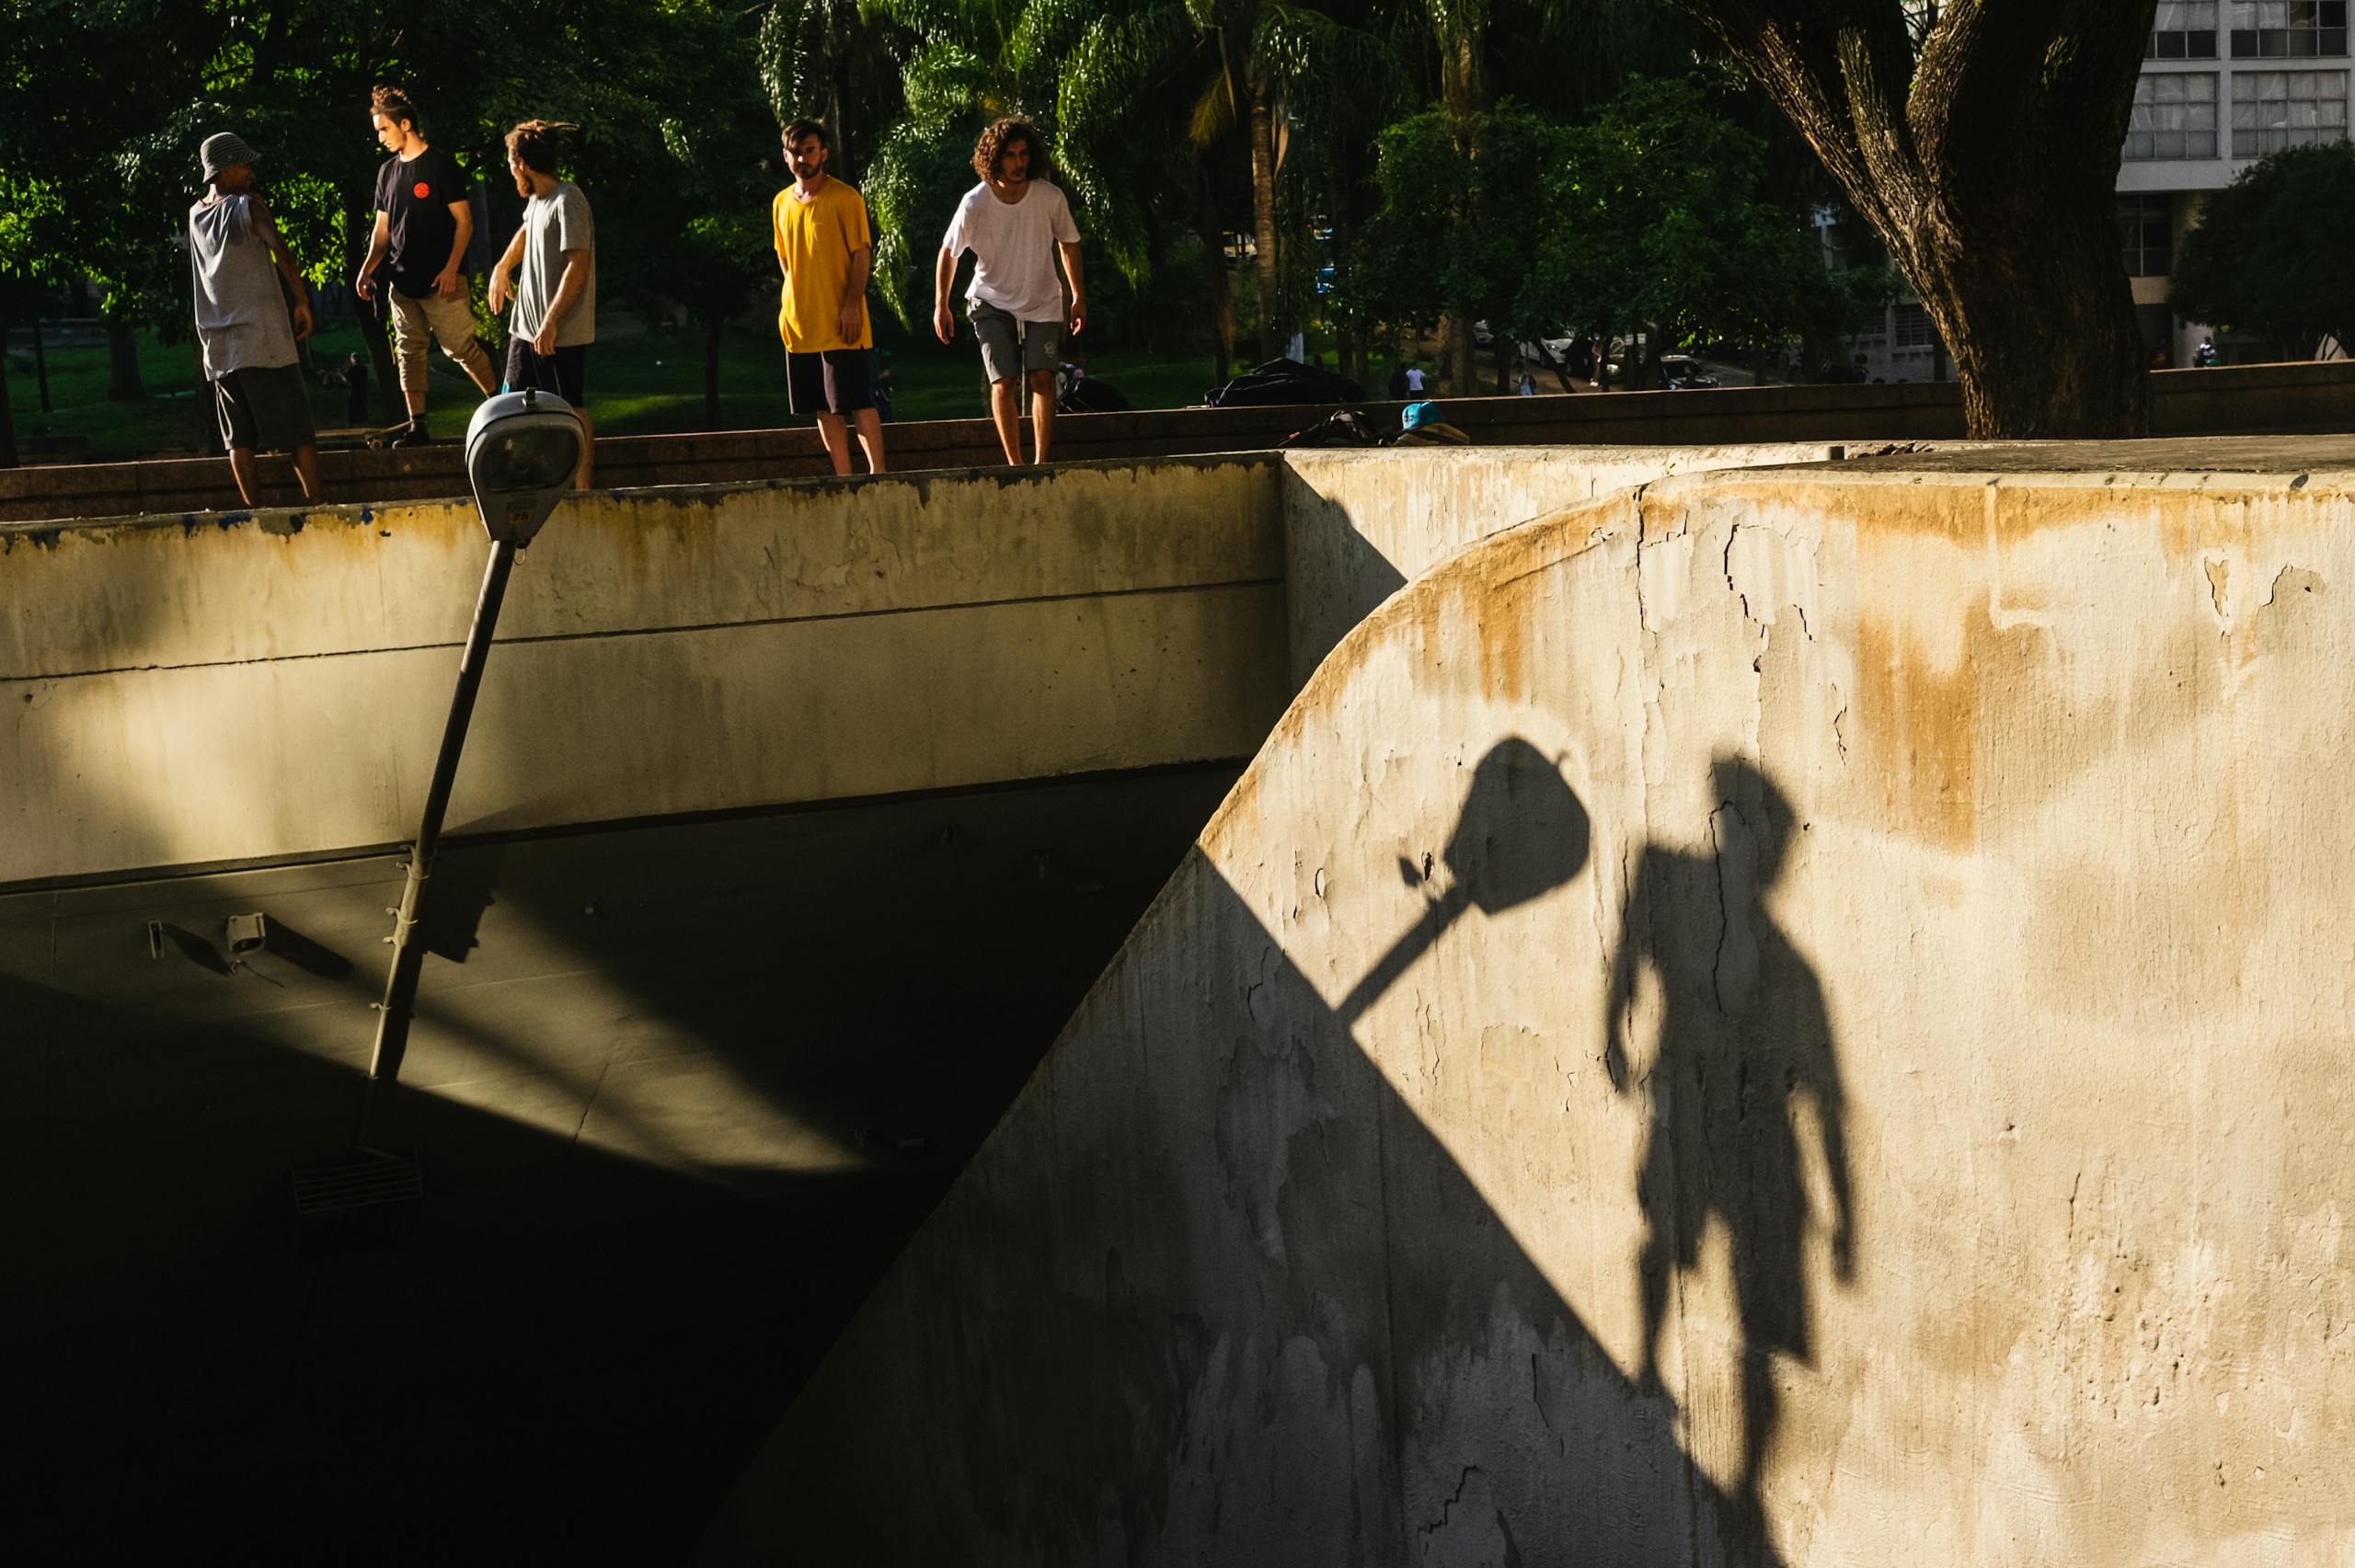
1544 350
1682 372
1549 350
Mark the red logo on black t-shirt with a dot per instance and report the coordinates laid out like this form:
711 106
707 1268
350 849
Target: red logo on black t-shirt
421 191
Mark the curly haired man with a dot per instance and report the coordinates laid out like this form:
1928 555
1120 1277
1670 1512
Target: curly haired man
1015 224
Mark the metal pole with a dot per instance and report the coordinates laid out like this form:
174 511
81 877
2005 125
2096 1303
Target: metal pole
400 984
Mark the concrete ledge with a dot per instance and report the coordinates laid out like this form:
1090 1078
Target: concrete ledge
2284 398
183 691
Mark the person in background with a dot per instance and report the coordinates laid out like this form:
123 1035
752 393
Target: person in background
1414 380
422 225
355 391
556 295
824 250
1015 224
242 328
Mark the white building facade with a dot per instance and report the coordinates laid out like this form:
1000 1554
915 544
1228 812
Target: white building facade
2225 81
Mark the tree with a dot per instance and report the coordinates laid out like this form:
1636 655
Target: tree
2270 252
1131 91
1987 164
1649 217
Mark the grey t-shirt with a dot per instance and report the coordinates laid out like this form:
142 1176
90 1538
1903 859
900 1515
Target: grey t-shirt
241 319
553 224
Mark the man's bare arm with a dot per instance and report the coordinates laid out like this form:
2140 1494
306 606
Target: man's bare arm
1069 251
380 240
502 272
283 256
854 294
569 290
447 284
944 274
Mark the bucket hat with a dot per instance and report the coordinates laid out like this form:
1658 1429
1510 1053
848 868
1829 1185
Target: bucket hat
223 150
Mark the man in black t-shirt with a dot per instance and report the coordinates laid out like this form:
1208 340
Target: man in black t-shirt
422 224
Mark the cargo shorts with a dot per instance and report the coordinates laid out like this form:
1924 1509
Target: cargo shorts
1009 346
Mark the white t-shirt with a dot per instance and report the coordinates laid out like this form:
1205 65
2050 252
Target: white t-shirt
1414 381
1013 248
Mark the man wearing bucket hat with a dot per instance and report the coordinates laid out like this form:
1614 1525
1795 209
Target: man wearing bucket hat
238 260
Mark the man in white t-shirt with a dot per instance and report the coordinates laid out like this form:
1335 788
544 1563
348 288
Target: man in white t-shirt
1015 225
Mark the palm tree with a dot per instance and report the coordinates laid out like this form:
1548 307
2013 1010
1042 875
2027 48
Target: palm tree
1125 90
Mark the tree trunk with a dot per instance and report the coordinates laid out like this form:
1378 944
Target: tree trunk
1462 33
1988 167
1213 236
392 408
41 361
122 363
1274 326
7 421
711 374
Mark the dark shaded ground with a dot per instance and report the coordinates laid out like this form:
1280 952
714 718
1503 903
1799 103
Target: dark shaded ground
575 1351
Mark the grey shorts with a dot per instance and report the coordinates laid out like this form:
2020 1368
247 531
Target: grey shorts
266 409
1010 347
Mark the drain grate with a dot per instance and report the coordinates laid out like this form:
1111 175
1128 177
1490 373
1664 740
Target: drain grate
354 1182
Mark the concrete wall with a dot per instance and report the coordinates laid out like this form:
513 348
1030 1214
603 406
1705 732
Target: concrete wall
1792 1018
2282 399
1359 525
256 686
175 692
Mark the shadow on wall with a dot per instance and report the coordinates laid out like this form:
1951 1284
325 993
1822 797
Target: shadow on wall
1216 1292
1333 574
1744 1037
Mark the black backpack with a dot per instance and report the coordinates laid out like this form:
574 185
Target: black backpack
1284 381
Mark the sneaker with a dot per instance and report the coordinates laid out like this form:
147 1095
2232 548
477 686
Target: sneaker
415 435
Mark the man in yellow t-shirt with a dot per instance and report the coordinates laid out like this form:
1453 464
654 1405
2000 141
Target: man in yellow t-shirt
824 249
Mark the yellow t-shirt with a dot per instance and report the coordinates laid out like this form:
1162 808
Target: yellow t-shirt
815 239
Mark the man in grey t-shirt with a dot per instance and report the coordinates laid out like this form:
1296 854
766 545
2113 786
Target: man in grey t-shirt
555 298
237 259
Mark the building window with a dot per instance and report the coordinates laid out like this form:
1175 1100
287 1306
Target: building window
1913 327
2183 30
2288 28
2273 110
2175 116
2146 237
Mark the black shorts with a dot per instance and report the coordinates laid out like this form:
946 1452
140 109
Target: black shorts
267 409
562 372
833 381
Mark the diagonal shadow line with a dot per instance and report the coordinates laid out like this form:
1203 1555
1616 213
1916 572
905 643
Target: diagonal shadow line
1215 1290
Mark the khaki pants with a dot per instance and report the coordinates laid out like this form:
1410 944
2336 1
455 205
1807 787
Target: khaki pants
450 321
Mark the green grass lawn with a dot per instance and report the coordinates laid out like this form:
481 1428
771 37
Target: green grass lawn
639 384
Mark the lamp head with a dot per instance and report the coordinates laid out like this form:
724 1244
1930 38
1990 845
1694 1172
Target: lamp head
522 451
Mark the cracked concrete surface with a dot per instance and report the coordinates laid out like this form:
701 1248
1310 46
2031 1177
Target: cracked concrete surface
2048 1266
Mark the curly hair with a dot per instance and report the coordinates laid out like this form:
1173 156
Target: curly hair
393 104
1001 134
538 143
